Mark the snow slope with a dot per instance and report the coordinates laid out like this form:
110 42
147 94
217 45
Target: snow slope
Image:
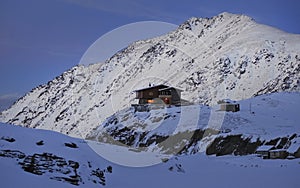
189 129
226 56
196 170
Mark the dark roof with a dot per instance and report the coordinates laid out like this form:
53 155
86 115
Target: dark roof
160 86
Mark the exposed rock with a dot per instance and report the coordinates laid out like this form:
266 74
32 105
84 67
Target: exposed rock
232 144
40 143
58 168
71 145
8 139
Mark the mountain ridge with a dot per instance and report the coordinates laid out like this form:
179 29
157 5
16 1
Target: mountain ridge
226 56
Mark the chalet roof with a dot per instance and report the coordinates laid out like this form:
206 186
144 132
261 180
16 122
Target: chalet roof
160 87
227 101
264 148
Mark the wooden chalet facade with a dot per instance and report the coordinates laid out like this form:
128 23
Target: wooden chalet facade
159 94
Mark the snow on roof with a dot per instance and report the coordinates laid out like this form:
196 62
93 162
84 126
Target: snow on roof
295 146
229 101
278 150
150 87
160 85
169 88
264 148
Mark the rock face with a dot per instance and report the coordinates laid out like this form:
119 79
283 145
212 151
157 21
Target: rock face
232 144
226 56
239 145
60 168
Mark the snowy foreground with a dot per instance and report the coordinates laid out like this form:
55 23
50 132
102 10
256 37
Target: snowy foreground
186 171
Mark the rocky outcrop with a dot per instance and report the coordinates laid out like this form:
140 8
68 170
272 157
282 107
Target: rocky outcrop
241 145
232 144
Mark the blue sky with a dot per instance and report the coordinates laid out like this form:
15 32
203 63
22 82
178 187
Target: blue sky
39 39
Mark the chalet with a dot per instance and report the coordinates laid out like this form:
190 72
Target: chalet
159 94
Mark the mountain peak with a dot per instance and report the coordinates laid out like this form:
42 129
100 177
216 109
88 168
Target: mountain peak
226 56
195 22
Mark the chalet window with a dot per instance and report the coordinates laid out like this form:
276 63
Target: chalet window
165 93
150 101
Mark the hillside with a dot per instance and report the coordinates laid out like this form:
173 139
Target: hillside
226 56
270 119
45 158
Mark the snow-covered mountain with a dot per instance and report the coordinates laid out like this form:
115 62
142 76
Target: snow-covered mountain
226 56
41 158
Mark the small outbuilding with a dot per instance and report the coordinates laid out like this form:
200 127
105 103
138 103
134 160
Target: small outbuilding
264 151
270 152
278 154
229 106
